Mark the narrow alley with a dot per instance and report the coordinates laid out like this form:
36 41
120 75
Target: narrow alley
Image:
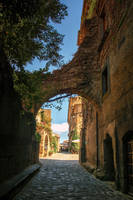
62 177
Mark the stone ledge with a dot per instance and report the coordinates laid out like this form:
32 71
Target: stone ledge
88 167
7 187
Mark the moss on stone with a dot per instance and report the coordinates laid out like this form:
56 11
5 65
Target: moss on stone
91 9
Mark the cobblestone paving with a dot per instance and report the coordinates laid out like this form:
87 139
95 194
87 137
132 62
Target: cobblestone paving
62 178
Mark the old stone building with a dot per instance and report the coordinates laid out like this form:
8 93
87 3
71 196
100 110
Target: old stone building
107 133
64 145
50 142
75 123
43 121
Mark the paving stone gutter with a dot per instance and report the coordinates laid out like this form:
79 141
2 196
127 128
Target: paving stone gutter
12 186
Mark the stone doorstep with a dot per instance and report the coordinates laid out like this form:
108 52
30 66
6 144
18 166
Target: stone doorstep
8 186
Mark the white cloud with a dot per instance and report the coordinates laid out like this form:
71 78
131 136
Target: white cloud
60 128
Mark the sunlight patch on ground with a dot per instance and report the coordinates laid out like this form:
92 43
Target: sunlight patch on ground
62 156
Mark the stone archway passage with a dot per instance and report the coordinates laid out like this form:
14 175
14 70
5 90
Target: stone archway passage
108 159
82 75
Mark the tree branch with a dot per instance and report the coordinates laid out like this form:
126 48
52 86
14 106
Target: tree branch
61 97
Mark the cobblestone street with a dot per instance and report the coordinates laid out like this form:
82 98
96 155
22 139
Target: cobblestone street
61 177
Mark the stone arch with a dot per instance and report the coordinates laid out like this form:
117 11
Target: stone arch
108 159
128 161
81 76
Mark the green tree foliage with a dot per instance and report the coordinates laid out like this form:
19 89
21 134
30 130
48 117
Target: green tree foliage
74 147
29 86
74 135
54 144
26 31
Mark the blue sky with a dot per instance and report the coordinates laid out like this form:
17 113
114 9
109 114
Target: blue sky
69 27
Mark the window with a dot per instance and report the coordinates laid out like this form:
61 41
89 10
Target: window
103 29
105 80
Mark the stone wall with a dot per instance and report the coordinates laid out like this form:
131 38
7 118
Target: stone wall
89 133
18 147
116 115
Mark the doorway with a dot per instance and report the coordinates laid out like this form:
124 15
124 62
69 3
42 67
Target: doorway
128 161
108 159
